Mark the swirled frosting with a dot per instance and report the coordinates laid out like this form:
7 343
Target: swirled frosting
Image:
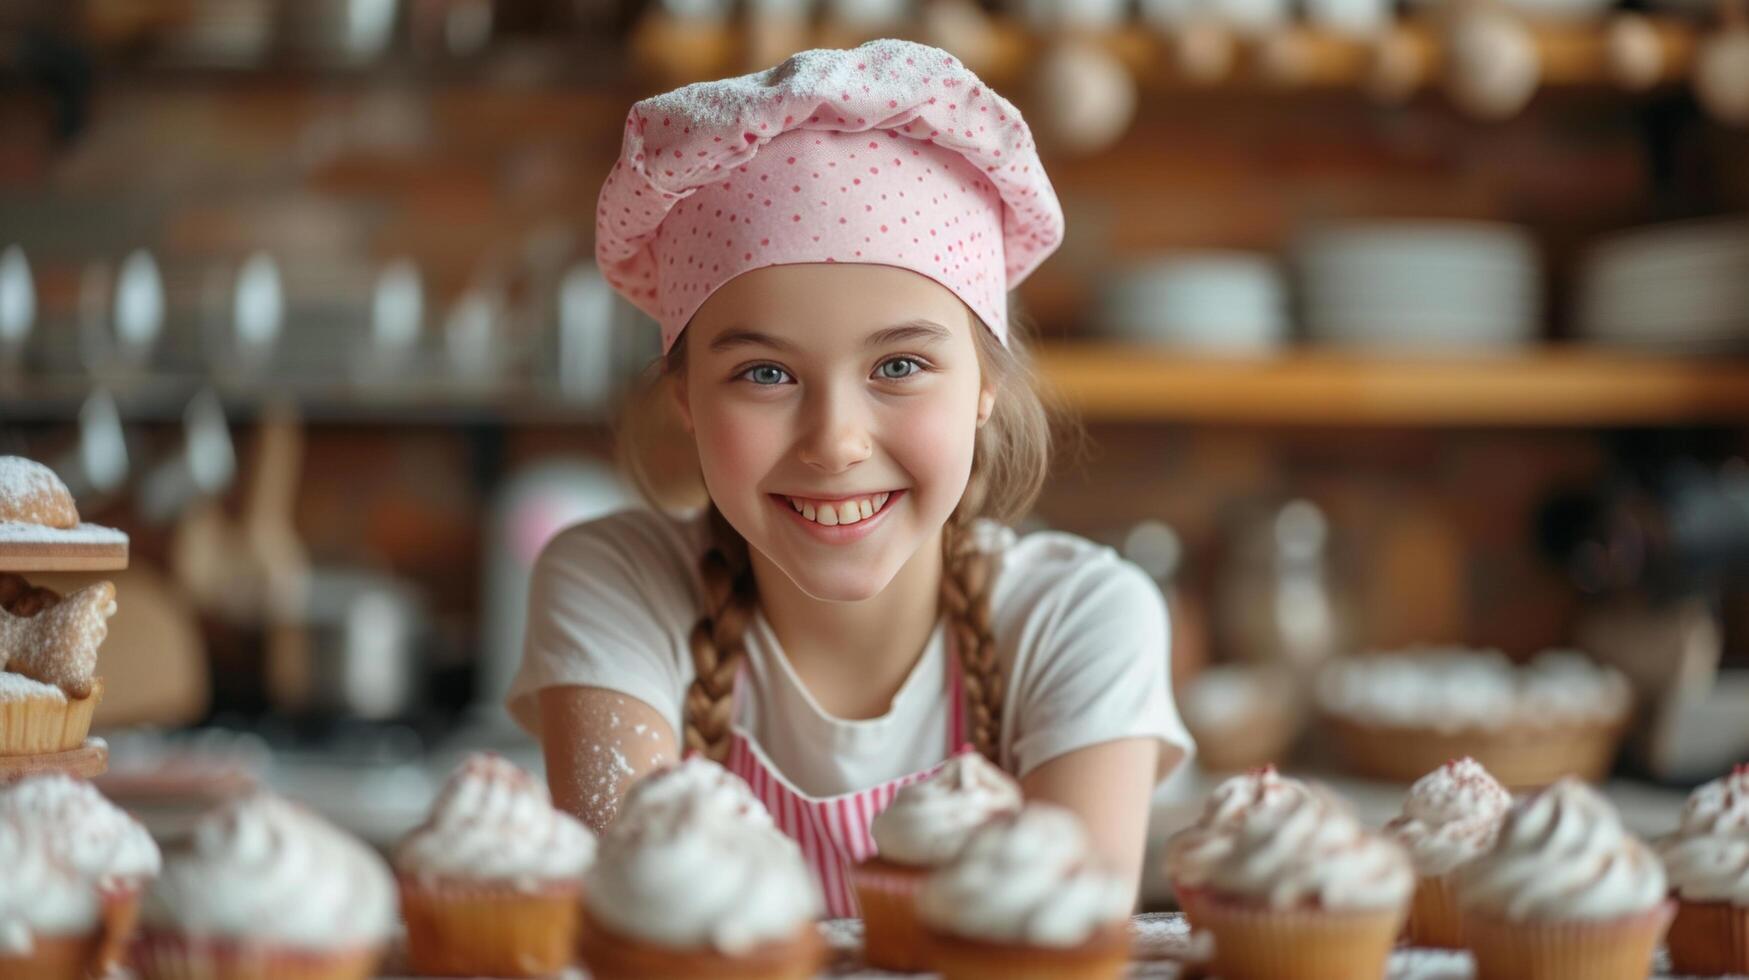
261 868
82 830
1707 858
928 822
494 822
695 782
1026 877
1311 851
1234 803
1451 815
685 875
1563 854
62 847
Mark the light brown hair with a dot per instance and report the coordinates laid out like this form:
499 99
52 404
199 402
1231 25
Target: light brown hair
1010 461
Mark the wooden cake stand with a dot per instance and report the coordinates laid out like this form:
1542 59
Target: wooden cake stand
68 556
87 761
92 758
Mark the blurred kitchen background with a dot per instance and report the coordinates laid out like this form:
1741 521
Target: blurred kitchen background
1389 323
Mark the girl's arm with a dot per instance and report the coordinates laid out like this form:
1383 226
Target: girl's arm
1109 787
597 743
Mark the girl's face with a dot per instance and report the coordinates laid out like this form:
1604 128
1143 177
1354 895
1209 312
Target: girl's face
835 407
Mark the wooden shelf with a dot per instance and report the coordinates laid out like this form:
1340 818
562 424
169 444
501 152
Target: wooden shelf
71 556
1548 387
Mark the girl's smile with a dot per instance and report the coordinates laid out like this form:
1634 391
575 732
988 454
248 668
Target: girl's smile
841 520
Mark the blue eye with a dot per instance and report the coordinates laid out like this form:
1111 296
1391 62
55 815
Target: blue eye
765 375
909 367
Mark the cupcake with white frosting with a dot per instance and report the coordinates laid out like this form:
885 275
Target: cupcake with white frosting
74 867
1451 816
691 889
263 888
1237 802
1301 889
924 827
695 782
1707 862
492 882
1565 893
1026 896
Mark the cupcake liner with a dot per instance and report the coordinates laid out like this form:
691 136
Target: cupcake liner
614 956
52 958
893 939
1709 938
1521 756
1607 949
121 912
1257 943
467 929
169 956
38 726
1435 920
75 957
1105 956
1188 897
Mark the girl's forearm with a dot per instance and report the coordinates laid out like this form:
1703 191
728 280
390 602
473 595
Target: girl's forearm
1109 786
597 743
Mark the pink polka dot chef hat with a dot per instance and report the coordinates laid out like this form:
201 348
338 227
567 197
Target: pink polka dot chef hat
892 153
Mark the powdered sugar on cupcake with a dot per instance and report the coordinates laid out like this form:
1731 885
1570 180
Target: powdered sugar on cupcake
495 822
1311 851
1235 803
1026 877
1562 854
1451 815
1707 858
261 869
691 874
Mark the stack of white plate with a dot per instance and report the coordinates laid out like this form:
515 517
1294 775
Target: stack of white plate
1672 287
1420 286
1210 302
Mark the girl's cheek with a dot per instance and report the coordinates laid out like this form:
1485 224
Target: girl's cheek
932 441
741 447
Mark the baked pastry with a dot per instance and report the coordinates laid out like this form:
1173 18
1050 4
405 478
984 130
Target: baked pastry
1398 716
58 644
74 867
924 827
1025 898
492 882
263 888
31 493
1192 853
1451 815
1565 893
1707 862
1303 890
683 886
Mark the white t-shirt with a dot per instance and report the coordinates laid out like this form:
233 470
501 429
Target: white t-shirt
1082 636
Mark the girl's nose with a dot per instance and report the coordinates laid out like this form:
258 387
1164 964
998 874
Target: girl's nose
838 436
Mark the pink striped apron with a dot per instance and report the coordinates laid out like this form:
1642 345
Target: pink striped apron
833 831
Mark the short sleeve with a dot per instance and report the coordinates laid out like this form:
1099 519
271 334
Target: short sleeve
1092 665
609 604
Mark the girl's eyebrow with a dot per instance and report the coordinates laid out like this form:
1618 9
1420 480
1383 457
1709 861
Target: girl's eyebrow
919 330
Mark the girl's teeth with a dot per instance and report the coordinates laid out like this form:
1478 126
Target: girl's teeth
849 512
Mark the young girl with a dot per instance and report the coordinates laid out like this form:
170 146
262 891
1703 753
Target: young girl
828 247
